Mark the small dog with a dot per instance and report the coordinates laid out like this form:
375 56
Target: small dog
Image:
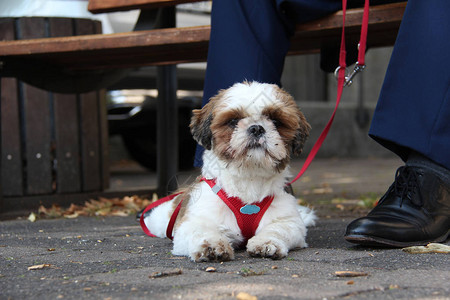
249 132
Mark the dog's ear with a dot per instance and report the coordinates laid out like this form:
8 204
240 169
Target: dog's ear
301 135
298 121
201 125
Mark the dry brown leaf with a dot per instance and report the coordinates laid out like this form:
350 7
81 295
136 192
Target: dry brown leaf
32 217
72 216
430 248
102 207
39 267
54 211
350 274
72 209
165 273
245 296
120 213
340 207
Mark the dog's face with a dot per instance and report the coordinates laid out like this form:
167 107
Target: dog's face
251 125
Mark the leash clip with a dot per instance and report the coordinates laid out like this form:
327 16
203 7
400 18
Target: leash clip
349 78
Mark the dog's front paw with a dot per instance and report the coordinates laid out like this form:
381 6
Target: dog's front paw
271 248
209 251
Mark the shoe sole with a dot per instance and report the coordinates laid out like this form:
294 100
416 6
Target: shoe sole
365 240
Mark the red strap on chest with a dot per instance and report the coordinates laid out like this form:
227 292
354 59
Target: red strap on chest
248 223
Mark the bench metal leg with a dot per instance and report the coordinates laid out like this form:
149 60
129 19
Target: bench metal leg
167 108
167 131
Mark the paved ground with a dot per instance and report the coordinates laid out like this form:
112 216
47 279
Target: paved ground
111 258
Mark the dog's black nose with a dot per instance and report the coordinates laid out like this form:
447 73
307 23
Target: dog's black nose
256 130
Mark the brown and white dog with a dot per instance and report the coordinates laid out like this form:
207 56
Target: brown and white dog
249 131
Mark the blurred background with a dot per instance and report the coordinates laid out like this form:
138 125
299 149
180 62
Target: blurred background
131 102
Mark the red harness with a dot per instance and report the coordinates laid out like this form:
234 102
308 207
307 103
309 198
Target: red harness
247 216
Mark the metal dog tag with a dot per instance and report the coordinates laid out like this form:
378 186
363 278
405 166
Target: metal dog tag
249 209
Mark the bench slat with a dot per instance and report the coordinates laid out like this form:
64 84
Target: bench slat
189 44
37 124
91 164
66 126
11 158
102 6
11 171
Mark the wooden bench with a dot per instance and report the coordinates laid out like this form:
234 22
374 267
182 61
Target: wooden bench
100 57
180 45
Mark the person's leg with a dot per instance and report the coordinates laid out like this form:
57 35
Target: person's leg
250 38
412 119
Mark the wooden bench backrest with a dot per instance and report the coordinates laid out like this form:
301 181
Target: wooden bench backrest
102 6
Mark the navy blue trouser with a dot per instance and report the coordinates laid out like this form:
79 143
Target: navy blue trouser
250 39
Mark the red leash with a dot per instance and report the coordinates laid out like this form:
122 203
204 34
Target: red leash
343 80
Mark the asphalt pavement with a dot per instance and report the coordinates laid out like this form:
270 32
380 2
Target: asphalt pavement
111 258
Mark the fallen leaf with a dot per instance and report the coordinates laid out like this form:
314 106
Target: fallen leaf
32 217
320 191
245 296
340 207
210 269
39 267
121 207
72 216
350 282
165 273
350 274
393 287
430 248
119 213
51 249
249 272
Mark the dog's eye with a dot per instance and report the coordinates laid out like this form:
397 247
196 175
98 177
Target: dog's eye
276 122
233 122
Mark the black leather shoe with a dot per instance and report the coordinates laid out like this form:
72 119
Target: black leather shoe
414 211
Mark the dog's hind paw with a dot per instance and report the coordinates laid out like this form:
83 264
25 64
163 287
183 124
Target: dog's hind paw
208 251
268 249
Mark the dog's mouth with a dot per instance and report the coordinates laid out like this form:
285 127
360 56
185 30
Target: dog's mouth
256 143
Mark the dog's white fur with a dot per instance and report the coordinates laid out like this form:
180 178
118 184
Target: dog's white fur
247 167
